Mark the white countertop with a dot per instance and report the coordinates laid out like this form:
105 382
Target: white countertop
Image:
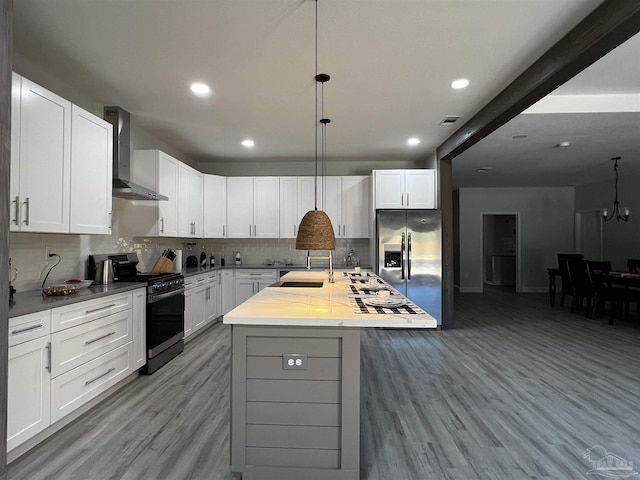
329 306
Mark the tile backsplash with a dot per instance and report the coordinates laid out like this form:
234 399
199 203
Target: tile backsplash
29 253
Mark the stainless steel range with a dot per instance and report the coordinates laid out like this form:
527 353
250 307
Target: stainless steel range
165 307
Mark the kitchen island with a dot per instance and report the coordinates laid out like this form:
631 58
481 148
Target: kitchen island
295 385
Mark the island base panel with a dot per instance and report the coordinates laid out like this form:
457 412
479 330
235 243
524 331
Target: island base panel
291 423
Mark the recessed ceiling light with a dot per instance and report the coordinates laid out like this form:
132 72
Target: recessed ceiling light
200 89
248 143
413 141
562 145
460 83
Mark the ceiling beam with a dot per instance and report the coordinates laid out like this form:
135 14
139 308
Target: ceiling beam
604 29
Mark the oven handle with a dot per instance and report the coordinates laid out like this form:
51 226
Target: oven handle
162 296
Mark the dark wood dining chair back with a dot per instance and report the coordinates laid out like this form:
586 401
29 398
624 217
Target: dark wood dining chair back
567 286
633 264
582 286
599 274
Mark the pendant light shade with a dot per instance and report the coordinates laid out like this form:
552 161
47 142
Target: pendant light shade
315 232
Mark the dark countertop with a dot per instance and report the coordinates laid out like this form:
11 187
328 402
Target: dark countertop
35 301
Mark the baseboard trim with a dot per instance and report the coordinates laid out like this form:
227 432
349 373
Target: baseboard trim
470 289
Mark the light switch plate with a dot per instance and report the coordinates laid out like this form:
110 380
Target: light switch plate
294 361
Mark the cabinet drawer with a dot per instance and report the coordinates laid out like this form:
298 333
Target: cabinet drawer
79 313
72 347
256 274
28 327
194 281
76 387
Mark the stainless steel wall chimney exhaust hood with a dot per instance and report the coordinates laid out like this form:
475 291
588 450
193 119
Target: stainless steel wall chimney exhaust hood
123 187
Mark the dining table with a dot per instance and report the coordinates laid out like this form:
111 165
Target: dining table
553 272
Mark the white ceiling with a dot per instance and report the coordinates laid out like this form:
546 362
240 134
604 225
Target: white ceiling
391 62
597 112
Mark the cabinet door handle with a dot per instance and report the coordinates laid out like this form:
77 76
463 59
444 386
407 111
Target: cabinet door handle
47 365
100 308
223 230
344 229
255 231
17 219
89 382
162 225
407 199
249 230
89 342
295 234
402 199
26 202
28 329
110 220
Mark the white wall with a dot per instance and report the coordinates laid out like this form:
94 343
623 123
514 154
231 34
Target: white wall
546 228
621 240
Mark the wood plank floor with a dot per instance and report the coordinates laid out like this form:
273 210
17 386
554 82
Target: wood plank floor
519 390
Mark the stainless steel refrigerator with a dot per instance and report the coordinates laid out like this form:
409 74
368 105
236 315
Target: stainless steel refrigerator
409 255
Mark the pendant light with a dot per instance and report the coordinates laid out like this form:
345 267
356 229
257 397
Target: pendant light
624 215
315 231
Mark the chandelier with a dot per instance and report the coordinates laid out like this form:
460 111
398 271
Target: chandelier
624 215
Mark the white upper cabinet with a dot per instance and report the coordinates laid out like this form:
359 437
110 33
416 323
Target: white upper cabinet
404 189
190 201
253 209
296 199
346 202
41 159
266 207
156 170
91 173
355 207
420 187
215 206
289 219
239 207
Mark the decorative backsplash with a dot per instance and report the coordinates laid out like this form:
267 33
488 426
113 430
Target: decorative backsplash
29 253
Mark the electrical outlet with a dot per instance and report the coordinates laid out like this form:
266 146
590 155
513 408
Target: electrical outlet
294 361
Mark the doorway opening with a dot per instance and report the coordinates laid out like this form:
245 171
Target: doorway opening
500 250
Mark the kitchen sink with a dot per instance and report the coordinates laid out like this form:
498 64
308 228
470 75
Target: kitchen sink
301 284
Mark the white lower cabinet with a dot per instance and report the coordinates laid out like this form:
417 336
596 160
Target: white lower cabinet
28 391
250 282
72 347
195 290
60 359
139 328
76 387
226 291
211 310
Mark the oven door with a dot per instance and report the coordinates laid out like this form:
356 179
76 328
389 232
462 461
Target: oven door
165 321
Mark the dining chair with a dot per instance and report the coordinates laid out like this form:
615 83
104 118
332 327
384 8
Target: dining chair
567 286
598 273
582 286
633 265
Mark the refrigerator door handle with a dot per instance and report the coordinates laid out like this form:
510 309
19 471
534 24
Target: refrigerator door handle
402 258
409 256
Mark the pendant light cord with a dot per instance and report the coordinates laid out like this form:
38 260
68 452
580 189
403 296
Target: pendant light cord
315 178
